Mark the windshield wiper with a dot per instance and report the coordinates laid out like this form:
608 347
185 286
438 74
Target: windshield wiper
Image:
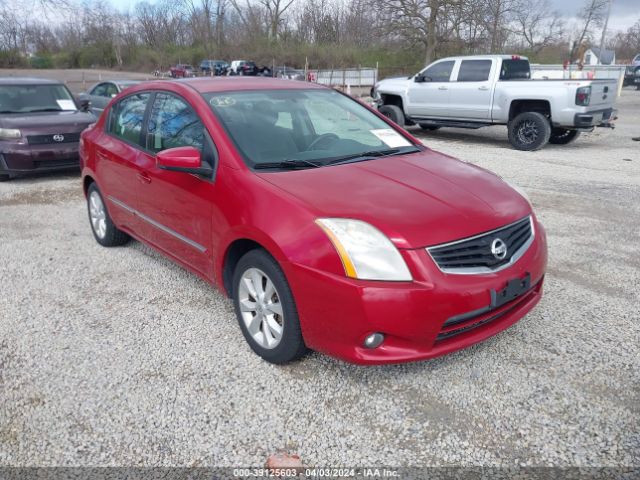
44 110
288 164
359 157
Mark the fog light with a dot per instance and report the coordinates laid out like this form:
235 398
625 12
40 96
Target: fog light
374 340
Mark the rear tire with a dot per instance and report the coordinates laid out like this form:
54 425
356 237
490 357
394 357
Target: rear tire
529 131
103 228
562 136
266 310
394 113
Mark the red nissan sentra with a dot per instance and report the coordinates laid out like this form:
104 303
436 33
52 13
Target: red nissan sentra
331 228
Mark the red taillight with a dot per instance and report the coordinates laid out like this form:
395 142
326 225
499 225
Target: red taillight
583 96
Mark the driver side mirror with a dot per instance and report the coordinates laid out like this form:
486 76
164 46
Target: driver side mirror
85 104
421 78
183 159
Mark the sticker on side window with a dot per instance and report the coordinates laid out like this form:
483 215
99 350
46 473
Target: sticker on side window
391 138
66 104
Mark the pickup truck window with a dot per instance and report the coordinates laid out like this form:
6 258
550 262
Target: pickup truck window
515 70
440 72
474 71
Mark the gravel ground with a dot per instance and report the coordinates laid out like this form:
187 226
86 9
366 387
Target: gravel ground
119 357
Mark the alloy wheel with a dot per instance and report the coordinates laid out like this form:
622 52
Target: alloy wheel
98 215
260 308
527 132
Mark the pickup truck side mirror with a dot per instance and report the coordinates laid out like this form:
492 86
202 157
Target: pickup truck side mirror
421 78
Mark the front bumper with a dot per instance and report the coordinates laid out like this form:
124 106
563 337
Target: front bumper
596 118
338 313
21 159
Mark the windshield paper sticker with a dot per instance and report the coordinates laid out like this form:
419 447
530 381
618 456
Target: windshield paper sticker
222 101
391 138
66 104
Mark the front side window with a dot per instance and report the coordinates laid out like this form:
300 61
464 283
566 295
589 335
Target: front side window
127 117
99 90
111 90
318 126
440 72
474 71
35 98
173 123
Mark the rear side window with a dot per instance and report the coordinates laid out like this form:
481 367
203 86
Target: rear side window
440 72
127 117
515 70
173 123
474 71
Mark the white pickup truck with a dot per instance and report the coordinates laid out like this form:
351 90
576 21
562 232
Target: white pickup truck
478 91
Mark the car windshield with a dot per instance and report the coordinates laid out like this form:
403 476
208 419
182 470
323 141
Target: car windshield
303 128
35 98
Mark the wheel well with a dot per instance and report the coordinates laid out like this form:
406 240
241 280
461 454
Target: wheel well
391 100
86 181
521 106
234 253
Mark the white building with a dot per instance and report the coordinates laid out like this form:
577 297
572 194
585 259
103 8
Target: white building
593 57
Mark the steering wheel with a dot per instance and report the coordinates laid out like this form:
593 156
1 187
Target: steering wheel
332 137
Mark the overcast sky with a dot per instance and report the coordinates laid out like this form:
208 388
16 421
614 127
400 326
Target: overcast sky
624 13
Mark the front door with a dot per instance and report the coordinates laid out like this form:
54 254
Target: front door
175 208
429 96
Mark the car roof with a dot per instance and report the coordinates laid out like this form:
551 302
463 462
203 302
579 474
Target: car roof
228 84
28 81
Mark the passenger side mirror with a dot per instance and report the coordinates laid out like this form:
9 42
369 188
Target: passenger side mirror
183 159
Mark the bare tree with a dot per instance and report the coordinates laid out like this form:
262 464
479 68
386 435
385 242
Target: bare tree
590 17
537 24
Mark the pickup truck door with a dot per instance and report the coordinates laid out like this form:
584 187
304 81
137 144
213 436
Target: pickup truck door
472 91
428 95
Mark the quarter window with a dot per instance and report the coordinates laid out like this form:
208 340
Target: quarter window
127 117
474 71
440 72
173 123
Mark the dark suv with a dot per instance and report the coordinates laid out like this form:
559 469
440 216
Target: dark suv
40 126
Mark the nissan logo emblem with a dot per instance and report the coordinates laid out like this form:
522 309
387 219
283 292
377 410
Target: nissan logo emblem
58 138
499 249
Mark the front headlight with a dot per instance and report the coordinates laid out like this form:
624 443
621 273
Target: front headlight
9 133
366 253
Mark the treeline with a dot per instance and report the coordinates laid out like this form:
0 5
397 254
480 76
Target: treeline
398 34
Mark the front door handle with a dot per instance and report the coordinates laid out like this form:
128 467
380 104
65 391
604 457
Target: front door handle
443 88
483 88
144 178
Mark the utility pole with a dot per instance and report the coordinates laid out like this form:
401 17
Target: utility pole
604 33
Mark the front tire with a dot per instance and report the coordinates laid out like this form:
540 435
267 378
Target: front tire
266 310
529 131
562 136
5 177
103 228
394 113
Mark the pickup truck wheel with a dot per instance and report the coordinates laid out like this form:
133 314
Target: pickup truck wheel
394 113
429 128
562 136
529 131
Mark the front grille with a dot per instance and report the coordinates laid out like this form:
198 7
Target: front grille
482 253
49 139
56 163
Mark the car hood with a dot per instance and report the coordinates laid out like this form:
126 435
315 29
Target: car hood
393 84
417 200
72 121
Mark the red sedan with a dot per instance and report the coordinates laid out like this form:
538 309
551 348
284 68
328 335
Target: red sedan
330 227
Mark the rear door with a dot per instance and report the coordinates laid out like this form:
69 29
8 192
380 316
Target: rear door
118 154
430 98
472 90
176 207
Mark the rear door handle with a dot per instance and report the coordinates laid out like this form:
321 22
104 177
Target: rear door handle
144 178
484 89
443 88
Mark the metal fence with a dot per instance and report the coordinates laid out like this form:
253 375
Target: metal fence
572 72
352 77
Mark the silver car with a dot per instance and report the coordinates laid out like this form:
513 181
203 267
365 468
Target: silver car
101 93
